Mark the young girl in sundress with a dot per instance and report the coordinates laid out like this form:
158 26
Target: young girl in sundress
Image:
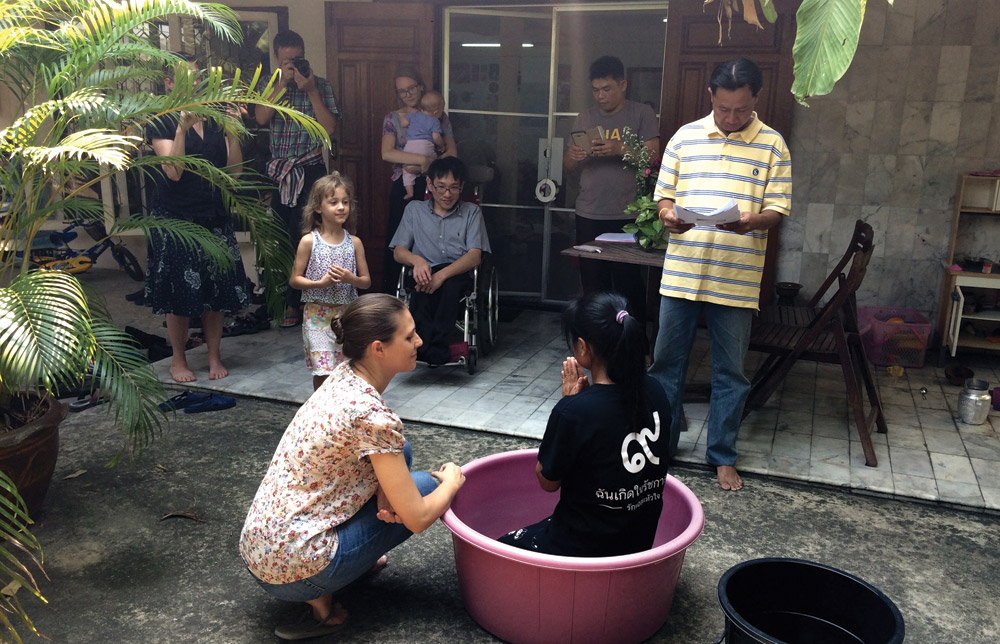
329 269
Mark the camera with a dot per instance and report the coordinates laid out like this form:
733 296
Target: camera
302 65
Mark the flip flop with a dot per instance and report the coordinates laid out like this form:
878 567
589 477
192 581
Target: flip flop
290 320
306 628
215 402
182 400
86 401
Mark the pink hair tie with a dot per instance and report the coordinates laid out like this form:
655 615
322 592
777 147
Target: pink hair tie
621 316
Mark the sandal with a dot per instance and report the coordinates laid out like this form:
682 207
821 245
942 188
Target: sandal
86 401
214 402
182 400
290 320
306 629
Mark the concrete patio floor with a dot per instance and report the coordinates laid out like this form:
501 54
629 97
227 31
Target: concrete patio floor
121 570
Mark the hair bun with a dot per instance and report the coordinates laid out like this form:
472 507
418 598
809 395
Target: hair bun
337 328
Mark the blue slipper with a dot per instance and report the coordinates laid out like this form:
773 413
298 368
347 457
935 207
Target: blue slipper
215 402
182 400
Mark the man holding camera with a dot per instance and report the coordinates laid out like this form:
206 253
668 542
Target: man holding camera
296 160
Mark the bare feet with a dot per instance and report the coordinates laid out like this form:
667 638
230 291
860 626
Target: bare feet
729 478
216 370
180 373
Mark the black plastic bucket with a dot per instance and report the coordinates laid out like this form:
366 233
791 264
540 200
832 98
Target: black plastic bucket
791 601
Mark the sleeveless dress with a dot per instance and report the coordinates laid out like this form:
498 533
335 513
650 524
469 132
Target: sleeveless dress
321 305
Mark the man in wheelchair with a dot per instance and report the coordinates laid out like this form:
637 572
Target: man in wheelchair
442 239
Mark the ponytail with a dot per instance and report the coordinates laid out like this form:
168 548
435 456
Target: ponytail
617 339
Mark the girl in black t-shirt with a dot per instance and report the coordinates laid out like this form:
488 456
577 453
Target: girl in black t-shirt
602 448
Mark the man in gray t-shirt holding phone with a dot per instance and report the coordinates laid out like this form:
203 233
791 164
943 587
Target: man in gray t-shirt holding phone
606 185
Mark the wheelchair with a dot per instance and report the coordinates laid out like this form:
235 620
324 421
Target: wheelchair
479 318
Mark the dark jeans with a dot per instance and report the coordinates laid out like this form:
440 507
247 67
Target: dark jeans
390 268
434 315
600 275
291 217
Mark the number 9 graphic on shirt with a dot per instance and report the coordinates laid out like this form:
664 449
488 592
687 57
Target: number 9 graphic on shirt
638 461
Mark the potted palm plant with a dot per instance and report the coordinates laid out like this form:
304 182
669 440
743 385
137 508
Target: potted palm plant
70 64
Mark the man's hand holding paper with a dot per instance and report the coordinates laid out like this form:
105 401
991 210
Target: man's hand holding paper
728 213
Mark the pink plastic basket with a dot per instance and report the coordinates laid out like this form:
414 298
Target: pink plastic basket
894 343
530 598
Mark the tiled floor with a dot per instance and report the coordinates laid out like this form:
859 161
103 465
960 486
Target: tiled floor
803 433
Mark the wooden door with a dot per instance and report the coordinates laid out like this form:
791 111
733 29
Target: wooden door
692 53
365 44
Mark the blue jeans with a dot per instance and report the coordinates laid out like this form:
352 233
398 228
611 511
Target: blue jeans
729 337
363 539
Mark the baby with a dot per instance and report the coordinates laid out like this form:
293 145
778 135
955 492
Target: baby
423 134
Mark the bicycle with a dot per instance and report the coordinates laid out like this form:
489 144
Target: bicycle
51 251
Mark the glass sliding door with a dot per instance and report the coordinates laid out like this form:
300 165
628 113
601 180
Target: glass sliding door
515 77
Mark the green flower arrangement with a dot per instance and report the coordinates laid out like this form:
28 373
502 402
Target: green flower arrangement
647 228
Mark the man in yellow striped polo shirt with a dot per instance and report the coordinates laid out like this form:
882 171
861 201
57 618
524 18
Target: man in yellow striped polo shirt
729 154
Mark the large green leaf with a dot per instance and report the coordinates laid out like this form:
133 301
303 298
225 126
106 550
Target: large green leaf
825 42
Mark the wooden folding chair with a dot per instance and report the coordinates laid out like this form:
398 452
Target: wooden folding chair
825 333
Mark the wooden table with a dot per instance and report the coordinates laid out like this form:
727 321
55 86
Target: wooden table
625 252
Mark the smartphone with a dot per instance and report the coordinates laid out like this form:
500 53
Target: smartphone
585 139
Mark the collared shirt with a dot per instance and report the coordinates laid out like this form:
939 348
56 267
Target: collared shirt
288 139
441 239
702 169
319 477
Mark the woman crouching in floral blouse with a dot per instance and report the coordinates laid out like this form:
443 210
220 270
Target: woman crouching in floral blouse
339 493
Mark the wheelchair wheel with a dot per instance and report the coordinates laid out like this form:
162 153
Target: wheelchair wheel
470 363
401 291
488 310
128 261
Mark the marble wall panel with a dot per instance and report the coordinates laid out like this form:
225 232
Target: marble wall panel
886 127
817 226
860 117
815 268
984 73
938 189
930 242
901 232
986 27
908 181
873 28
993 144
831 123
922 72
892 65
953 72
946 119
959 16
793 229
863 80
842 230
923 286
915 128
851 177
899 20
974 131
822 178
878 182
928 22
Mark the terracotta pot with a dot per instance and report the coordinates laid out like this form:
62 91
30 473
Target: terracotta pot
28 455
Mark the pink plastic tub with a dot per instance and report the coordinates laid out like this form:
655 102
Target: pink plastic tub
525 597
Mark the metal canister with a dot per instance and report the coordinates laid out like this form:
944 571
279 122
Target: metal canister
974 402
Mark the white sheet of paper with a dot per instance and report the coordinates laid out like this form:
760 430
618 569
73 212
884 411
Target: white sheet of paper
724 214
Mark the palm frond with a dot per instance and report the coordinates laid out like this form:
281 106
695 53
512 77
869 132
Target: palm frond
130 382
44 331
14 574
186 233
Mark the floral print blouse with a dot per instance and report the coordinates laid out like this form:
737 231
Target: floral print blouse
319 477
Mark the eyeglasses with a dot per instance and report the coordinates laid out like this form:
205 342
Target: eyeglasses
448 190
412 89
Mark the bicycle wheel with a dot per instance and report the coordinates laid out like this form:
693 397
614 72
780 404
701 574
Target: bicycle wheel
127 261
